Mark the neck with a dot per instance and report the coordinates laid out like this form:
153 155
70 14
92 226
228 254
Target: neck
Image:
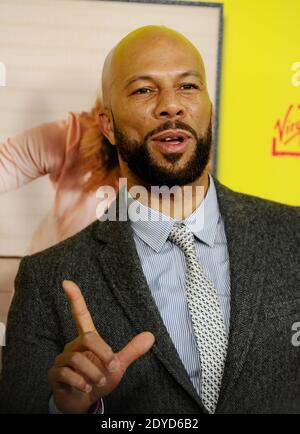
176 202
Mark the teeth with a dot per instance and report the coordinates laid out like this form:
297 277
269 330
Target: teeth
171 139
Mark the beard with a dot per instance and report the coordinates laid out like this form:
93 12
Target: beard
138 157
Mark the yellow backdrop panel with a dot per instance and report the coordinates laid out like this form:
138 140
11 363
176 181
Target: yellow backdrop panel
259 135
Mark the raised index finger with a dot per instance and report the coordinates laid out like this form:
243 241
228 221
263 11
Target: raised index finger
80 312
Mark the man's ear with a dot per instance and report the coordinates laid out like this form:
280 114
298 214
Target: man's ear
106 125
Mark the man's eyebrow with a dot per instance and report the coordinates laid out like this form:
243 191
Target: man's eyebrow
191 73
135 78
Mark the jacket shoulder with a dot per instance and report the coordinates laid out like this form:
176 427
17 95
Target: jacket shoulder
65 251
262 208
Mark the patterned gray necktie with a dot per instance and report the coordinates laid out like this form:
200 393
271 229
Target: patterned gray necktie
207 319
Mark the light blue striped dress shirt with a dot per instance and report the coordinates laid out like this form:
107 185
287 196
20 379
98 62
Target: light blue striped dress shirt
164 268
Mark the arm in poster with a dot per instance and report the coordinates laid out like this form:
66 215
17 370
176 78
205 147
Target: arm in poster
37 152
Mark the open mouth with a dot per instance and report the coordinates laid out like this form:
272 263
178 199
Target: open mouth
171 137
176 139
172 141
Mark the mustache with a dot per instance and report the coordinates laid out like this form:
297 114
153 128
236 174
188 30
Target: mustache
177 125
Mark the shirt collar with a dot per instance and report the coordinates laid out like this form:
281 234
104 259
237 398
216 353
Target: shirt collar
154 227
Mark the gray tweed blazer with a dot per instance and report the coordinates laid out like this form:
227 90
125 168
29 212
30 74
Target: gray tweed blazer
262 372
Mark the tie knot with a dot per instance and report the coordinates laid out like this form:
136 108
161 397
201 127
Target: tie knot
183 237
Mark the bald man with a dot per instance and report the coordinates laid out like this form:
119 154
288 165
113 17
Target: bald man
185 300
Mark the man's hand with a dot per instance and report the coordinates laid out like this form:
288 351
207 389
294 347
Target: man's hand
88 369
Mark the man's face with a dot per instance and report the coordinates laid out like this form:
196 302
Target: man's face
161 112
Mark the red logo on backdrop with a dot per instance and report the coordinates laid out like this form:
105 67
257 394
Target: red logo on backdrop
287 139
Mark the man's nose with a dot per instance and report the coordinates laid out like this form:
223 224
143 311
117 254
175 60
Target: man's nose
169 106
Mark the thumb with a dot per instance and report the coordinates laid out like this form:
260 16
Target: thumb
136 348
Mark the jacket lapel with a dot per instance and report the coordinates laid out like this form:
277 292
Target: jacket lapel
123 272
246 246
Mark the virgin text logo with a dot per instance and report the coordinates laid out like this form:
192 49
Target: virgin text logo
287 133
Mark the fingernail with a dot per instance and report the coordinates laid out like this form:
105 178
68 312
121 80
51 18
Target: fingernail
101 382
112 366
88 388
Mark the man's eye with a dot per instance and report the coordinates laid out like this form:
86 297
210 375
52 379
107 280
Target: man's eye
188 86
142 90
